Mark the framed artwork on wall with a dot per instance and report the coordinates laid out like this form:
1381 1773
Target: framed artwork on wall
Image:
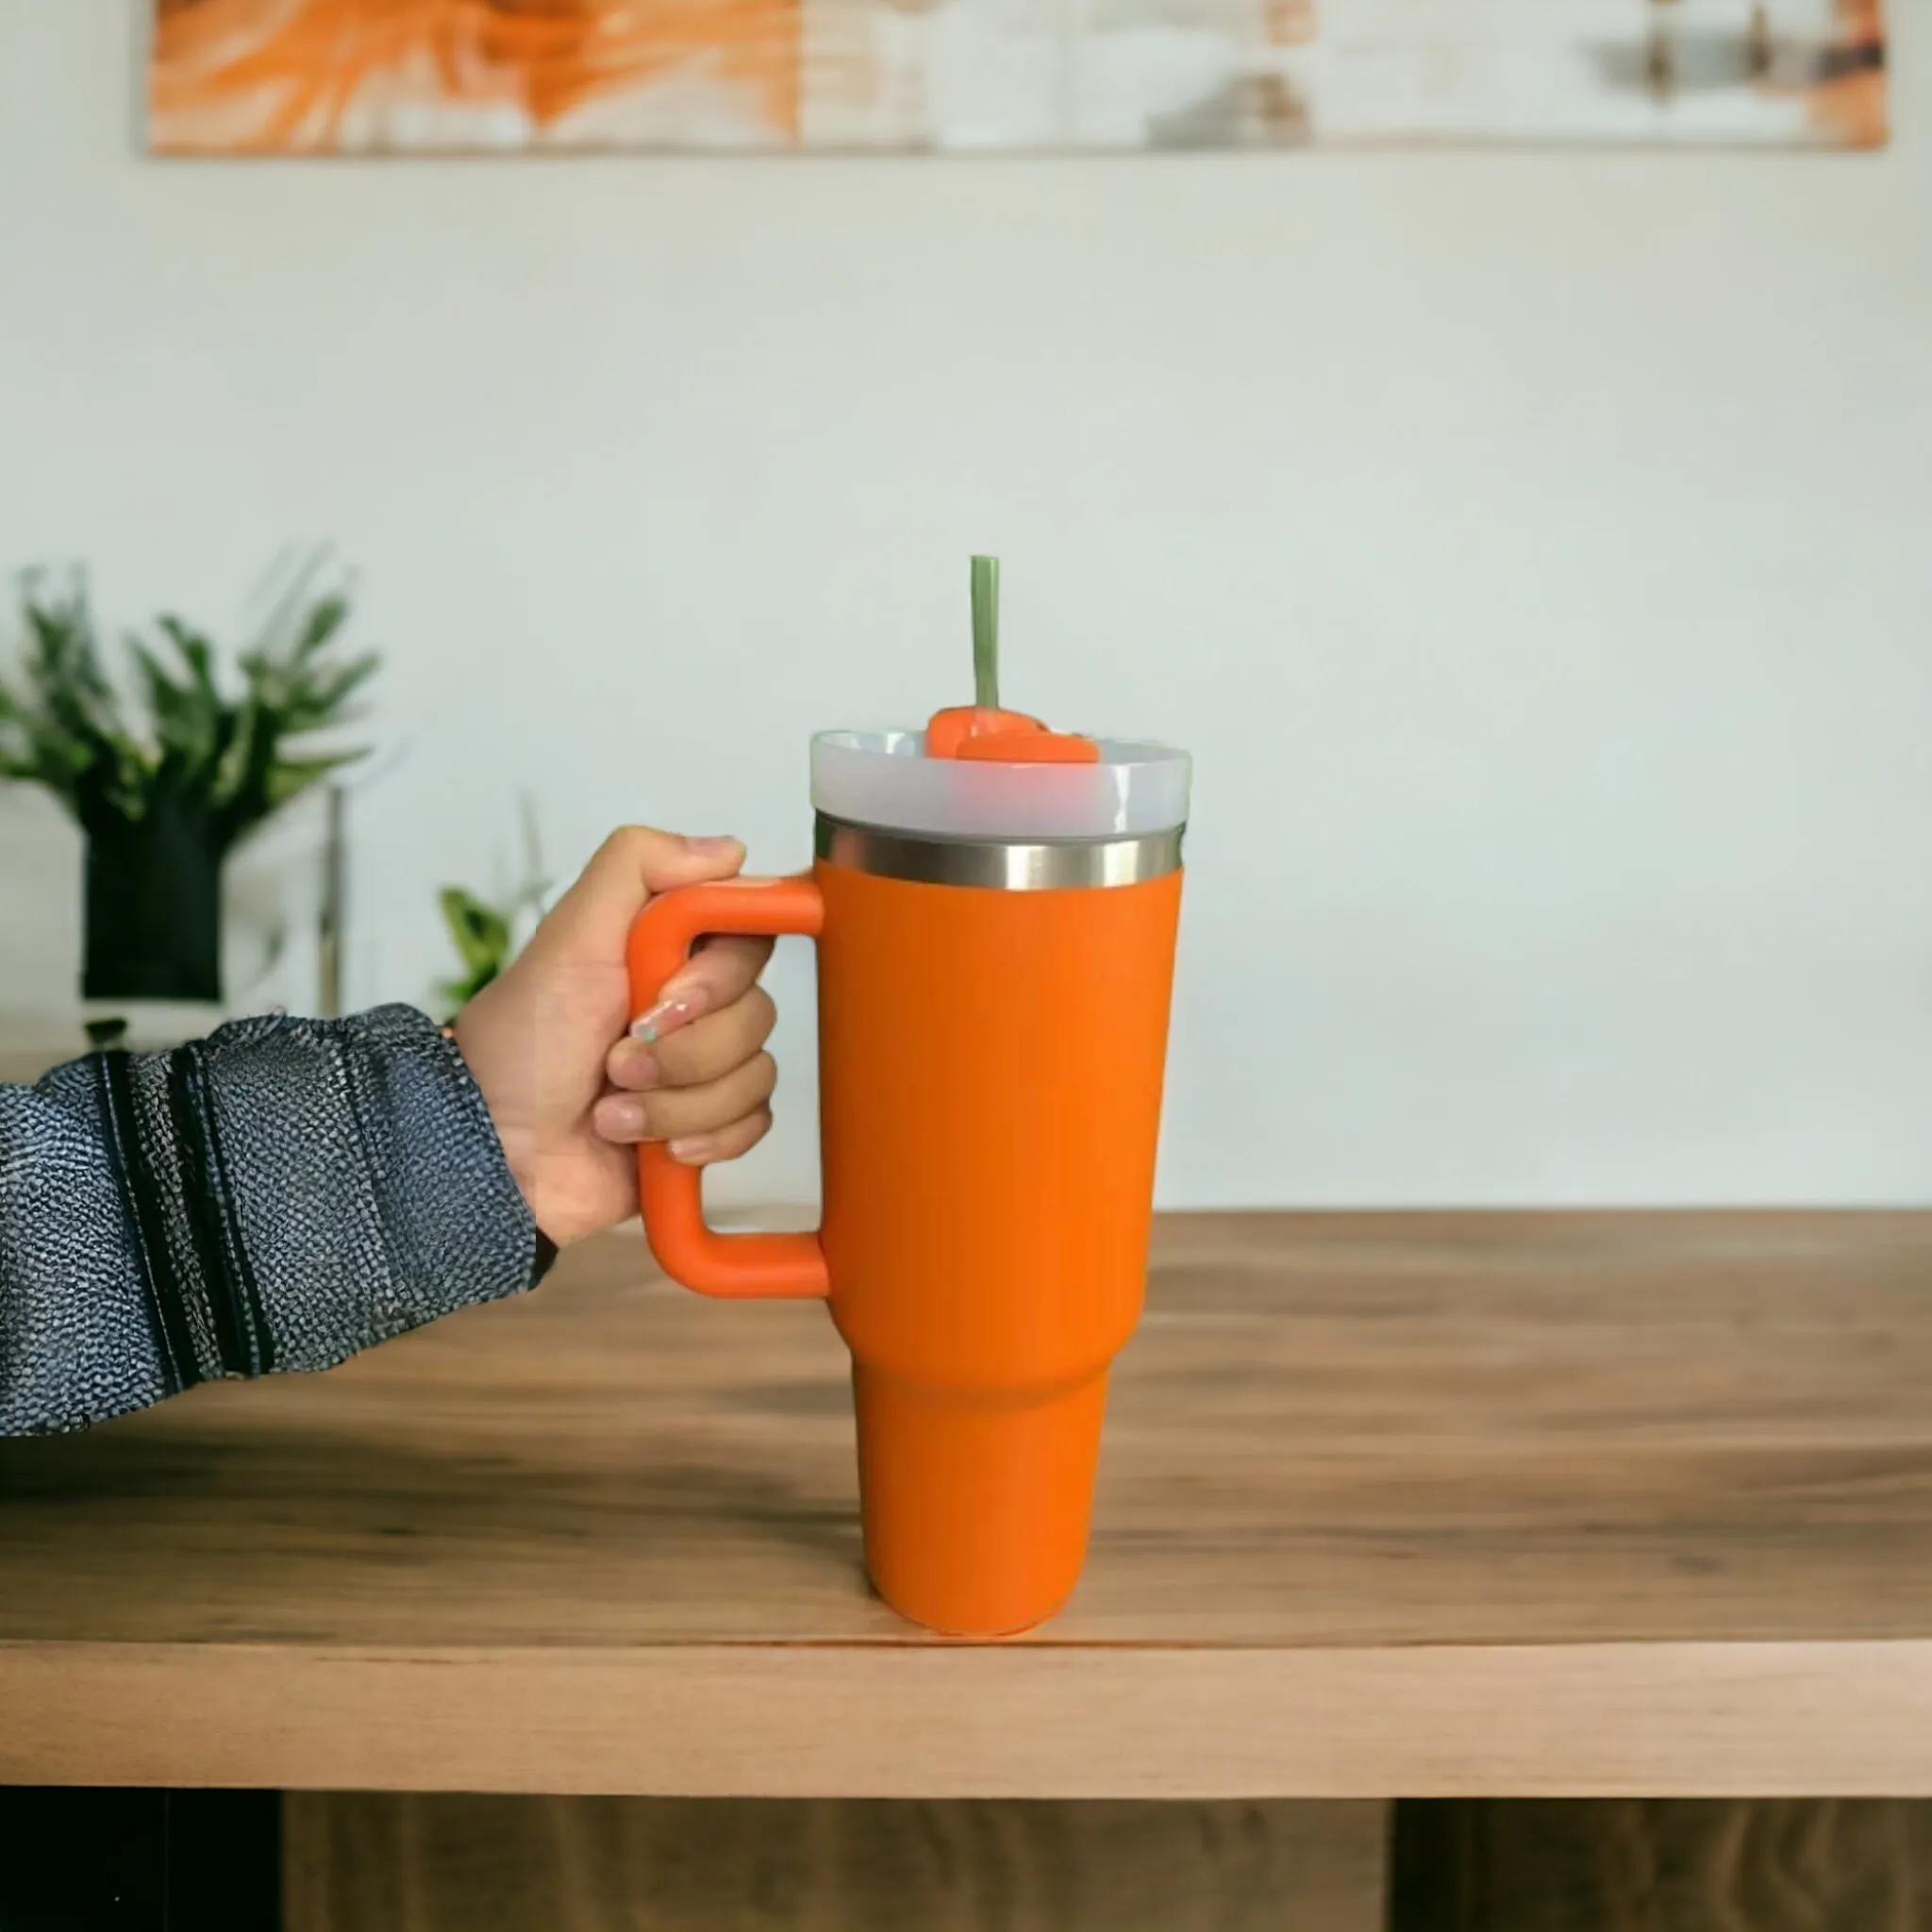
442 77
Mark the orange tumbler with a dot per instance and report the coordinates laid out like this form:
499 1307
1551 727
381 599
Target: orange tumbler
996 950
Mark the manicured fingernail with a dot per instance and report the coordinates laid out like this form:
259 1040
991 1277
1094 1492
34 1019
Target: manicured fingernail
673 1010
628 1116
644 1070
689 1150
712 848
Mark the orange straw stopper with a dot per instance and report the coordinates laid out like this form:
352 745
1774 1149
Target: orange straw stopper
981 730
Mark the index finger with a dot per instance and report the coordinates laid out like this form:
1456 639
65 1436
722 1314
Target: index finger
724 969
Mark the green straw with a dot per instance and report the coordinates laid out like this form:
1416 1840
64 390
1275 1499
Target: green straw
986 633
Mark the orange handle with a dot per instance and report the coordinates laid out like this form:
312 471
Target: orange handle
736 1266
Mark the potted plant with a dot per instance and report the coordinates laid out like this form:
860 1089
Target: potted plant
163 790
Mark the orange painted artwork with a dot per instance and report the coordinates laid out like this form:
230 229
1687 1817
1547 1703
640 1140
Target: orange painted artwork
451 76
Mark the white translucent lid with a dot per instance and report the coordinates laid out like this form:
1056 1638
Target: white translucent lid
885 779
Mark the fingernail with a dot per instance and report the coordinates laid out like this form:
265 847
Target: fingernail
629 1116
712 848
644 1070
675 1009
691 1150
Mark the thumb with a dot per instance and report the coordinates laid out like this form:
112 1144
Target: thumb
590 924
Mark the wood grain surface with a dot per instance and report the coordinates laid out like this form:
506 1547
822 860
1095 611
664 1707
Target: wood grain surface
1390 1502
380 1864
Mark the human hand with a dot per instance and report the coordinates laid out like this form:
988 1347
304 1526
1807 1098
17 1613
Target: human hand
570 1092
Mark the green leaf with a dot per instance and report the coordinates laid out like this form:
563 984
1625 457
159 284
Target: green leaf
65 678
314 703
293 776
328 617
187 718
481 933
484 934
286 616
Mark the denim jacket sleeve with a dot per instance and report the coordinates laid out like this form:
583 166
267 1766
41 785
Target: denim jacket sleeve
274 1197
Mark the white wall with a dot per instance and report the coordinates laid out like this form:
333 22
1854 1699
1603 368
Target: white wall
1535 551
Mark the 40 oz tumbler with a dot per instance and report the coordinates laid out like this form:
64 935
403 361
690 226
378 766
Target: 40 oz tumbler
995 910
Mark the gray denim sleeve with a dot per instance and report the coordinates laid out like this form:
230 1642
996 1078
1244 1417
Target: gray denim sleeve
274 1197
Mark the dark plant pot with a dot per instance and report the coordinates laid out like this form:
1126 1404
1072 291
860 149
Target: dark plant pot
153 908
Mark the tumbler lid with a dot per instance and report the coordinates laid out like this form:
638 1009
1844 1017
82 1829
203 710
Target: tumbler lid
979 771
887 778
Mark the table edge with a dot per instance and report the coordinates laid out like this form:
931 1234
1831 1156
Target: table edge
1688 1718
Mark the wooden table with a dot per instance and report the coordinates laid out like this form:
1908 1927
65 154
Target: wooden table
1533 1503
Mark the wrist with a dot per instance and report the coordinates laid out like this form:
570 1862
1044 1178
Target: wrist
518 1145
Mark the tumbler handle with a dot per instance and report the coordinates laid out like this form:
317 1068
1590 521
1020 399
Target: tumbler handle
735 1266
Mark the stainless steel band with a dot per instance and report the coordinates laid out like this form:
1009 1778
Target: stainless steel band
1047 865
